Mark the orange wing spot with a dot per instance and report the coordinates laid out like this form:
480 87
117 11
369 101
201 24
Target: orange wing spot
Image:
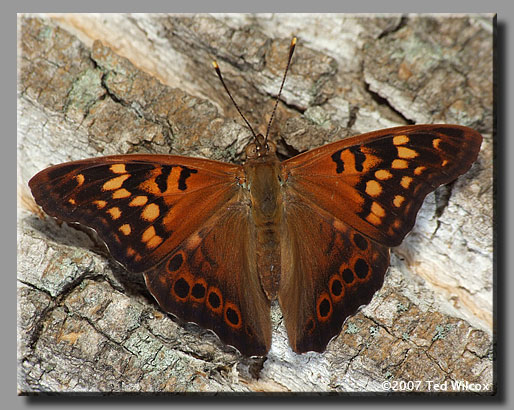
404 152
436 142
444 163
72 201
130 251
154 242
118 168
100 204
400 140
232 315
115 183
373 219
406 181
373 188
371 160
151 212
383 174
214 300
150 186
419 170
194 241
336 288
338 225
398 200
377 209
125 229
397 223
115 212
400 164
148 234
139 201
121 193
173 179
80 179
323 307
347 158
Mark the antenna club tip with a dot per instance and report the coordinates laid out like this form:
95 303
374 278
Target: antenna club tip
215 64
293 41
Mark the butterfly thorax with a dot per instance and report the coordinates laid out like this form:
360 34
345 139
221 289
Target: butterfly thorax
262 175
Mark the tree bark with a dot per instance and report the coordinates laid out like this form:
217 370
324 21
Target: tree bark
86 325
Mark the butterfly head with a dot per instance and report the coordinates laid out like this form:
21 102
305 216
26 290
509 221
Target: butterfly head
260 148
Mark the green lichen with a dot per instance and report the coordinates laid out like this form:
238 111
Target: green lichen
86 90
441 332
44 33
352 329
400 308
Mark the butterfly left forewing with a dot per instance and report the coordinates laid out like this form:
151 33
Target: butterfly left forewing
376 182
138 204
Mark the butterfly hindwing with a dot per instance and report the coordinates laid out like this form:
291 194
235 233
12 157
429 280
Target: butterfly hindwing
329 270
376 182
137 203
212 280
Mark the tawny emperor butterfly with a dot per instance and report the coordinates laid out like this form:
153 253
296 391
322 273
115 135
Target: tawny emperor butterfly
217 242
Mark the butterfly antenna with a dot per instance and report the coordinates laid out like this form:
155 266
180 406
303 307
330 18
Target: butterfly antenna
291 51
217 68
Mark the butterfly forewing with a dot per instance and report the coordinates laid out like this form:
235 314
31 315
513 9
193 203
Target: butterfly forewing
376 182
138 204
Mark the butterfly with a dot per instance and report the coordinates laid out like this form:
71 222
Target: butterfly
218 242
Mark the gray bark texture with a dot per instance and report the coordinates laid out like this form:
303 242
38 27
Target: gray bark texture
92 85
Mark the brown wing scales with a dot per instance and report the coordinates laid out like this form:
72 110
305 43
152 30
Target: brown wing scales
347 202
329 271
212 280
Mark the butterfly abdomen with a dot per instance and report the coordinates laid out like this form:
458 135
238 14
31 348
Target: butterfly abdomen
266 203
